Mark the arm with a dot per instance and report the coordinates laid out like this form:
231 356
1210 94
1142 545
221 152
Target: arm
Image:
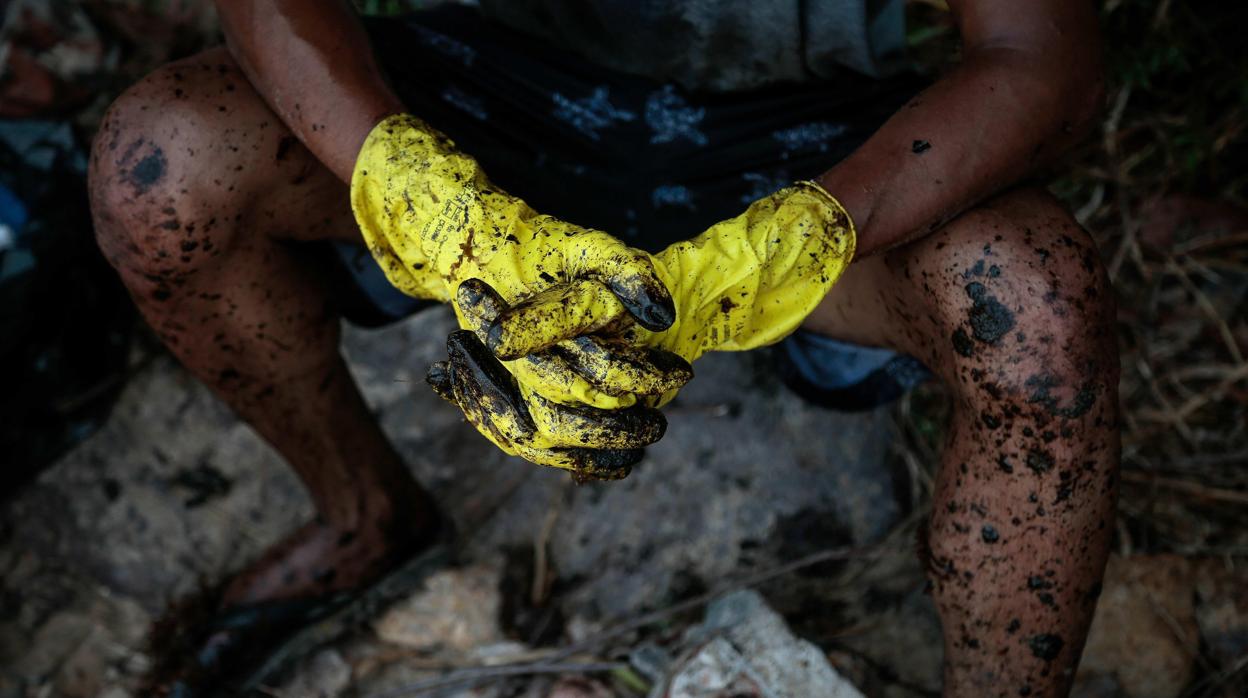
311 61
1028 87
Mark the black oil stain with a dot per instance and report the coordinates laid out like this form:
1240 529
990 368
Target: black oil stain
1046 646
1040 462
989 534
148 171
990 320
962 343
1042 383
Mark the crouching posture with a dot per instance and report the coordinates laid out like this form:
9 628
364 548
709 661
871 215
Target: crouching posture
762 172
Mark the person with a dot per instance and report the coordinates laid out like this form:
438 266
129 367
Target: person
223 186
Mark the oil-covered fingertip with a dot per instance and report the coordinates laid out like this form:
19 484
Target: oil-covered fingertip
654 311
439 378
659 316
675 368
470 292
479 301
610 464
646 299
660 425
468 354
459 341
615 464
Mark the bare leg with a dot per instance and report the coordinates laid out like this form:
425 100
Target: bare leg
199 194
1010 307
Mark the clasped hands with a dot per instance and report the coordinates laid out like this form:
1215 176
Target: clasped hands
570 339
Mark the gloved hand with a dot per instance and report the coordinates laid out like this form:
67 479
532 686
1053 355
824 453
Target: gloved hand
433 220
744 283
593 443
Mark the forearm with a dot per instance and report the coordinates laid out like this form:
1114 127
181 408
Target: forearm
994 120
312 63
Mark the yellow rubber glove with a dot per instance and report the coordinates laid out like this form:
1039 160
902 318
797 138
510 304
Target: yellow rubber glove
433 220
744 283
593 443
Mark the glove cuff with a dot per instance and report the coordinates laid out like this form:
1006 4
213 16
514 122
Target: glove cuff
411 192
838 218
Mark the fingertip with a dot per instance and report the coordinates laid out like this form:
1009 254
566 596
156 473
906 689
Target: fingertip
659 313
439 378
470 359
655 424
470 292
608 464
617 462
479 301
457 342
648 302
660 420
675 368
631 427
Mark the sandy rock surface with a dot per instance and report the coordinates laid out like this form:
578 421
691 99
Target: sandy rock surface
175 492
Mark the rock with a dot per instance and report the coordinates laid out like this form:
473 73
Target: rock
895 647
57 641
327 675
650 660
579 687
149 514
174 491
1222 610
718 670
1144 635
80 649
747 650
738 462
457 611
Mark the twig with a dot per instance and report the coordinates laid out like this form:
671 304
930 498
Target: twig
1084 214
541 566
1179 415
1170 415
703 599
1110 128
1217 494
1206 305
1213 460
1211 242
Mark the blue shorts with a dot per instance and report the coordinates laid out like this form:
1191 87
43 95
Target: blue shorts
647 162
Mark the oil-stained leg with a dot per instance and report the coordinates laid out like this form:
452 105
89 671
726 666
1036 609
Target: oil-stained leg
1010 306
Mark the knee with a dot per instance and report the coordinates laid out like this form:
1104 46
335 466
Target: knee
164 182
1026 312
